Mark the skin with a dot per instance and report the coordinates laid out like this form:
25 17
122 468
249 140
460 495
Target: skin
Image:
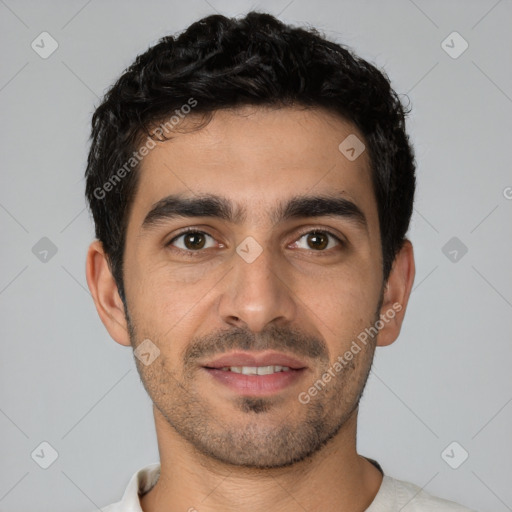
219 450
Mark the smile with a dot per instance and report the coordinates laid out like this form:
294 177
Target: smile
256 370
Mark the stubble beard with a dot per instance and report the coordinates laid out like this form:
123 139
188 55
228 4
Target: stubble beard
262 434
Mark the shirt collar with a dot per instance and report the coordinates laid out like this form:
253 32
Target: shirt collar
140 483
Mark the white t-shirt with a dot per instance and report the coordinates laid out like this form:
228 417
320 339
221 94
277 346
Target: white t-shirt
393 496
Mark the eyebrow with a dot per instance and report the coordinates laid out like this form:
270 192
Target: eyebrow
214 206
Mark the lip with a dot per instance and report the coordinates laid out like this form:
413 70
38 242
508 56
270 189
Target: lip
255 385
255 359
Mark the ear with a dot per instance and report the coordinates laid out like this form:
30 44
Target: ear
104 292
396 295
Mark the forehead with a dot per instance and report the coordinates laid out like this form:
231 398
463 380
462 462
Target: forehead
257 158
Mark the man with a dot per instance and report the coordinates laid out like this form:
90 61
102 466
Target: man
251 185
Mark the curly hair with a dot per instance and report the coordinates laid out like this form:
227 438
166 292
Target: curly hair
221 62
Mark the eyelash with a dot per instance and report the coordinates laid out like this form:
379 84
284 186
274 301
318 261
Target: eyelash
199 252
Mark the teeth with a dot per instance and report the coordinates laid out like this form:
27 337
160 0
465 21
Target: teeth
267 370
256 370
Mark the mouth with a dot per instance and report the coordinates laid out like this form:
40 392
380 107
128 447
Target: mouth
254 370
255 374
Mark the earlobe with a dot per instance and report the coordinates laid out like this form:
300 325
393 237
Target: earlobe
105 294
396 295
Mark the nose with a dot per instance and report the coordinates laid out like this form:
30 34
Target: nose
257 293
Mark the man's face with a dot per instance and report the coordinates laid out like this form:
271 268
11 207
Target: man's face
273 287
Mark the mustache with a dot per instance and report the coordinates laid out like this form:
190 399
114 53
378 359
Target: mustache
293 341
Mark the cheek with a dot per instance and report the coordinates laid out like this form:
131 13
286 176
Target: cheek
349 294
167 310
343 308
162 291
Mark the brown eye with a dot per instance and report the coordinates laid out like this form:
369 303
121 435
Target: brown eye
319 241
191 241
194 240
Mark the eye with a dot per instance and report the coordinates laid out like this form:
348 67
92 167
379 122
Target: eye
194 241
319 240
191 241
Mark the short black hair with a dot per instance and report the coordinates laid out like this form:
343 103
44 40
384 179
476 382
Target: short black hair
224 63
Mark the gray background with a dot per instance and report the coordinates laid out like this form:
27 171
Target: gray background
447 378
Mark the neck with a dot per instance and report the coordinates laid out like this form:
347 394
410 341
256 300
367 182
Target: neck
334 478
